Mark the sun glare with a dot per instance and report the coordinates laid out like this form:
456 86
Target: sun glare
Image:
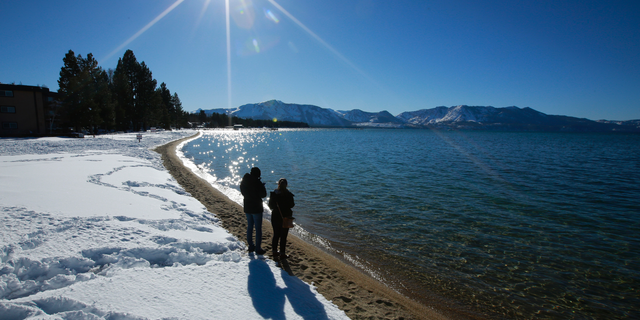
243 13
202 12
145 28
315 36
271 16
226 9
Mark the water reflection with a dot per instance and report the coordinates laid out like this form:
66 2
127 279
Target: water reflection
531 225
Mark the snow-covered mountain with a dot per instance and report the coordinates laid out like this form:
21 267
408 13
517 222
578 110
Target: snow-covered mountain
464 113
424 116
275 109
313 115
359 116
457 117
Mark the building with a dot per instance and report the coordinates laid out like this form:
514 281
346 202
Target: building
25 110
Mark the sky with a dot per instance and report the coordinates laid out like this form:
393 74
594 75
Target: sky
575 58
123 240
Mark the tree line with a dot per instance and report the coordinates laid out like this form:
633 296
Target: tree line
127 98
219 120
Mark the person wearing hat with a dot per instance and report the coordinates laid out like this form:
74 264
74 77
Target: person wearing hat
253 190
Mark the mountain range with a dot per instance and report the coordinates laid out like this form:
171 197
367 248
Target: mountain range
457 117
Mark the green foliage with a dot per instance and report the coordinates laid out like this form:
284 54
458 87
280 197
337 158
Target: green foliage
86 96
126 98
202 117
179 116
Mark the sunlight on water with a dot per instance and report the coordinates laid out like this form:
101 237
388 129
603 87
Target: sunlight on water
528 225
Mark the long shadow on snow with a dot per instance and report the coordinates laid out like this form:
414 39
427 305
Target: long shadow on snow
269 299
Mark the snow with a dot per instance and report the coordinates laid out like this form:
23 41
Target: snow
96 228
268 110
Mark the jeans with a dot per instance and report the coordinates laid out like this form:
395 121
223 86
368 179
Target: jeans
254 219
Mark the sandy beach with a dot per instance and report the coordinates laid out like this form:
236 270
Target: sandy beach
357 294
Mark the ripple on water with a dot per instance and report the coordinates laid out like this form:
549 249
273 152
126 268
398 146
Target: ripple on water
529 225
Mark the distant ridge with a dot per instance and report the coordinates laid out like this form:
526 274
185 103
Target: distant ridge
457 117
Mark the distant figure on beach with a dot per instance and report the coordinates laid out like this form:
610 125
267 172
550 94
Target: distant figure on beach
280 203
253 190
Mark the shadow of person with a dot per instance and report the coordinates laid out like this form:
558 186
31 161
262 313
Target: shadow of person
267 297
302 299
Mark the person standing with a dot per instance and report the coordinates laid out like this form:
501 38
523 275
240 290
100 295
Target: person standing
280 203
253 190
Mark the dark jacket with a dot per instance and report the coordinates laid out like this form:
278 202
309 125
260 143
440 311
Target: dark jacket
284 200
253 191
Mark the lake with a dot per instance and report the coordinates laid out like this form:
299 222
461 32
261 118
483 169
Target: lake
518 224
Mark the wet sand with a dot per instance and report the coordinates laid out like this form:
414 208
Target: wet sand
359 295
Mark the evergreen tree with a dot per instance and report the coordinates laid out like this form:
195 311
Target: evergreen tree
139 105
123 89
70 85
181 117
202 117
96 96
86 95
106 107
147 100
126 98
169 111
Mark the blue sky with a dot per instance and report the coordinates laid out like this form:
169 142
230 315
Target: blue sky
576 58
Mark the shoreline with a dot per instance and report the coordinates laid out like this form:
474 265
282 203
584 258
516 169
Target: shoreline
354 292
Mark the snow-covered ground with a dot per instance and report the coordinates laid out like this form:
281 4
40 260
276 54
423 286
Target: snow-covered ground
96 228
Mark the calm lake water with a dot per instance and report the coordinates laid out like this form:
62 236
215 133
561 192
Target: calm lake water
523 225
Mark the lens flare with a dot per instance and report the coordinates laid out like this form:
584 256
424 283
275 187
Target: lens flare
293 47
205 5
271 16
145 28
243 14
315 36
226 9
251 46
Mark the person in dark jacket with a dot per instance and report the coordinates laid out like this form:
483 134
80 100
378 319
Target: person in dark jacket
280 203
253 191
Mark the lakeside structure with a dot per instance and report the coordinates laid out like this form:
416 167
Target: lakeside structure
26 110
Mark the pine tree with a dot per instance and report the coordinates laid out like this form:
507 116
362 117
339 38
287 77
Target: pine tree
124 91
125 98
147 102
169 111
86 95
181 117
69 84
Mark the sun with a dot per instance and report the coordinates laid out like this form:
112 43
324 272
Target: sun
244 15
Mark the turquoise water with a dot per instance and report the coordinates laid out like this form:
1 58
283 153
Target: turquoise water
525 225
